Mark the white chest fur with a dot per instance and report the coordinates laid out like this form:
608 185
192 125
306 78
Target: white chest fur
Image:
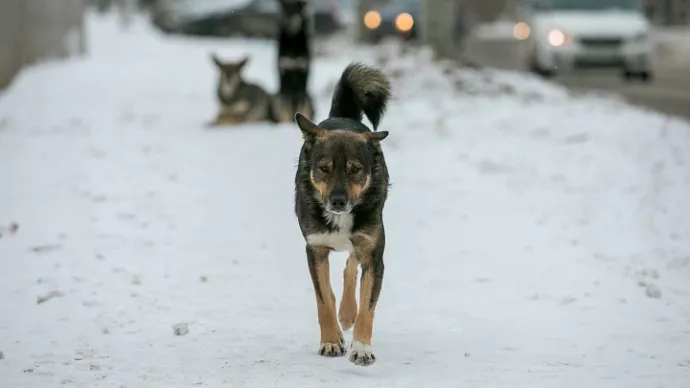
338 241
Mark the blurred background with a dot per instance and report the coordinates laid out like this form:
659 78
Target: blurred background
508 34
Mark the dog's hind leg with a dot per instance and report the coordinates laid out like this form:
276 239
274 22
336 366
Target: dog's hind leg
222 120
369 250
348 304
332 341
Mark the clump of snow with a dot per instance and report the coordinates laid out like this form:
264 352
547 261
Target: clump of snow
517 223
180 329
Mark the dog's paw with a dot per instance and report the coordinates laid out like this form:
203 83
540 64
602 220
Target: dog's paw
361 354
332 350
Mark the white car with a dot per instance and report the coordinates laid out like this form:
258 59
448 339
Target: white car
562 35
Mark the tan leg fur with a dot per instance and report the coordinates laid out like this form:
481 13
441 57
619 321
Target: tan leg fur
348 304
332 341
370 287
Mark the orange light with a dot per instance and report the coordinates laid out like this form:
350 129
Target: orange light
372 20
521 31
559 38
404 22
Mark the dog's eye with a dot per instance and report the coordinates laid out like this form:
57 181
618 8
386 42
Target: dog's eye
323 169
355 169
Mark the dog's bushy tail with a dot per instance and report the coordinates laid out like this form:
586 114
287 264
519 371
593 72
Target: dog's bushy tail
361 90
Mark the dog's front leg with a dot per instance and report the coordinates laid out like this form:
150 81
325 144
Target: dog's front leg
370 254
332 342
348 303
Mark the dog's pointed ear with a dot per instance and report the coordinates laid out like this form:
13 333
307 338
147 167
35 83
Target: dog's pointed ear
216 60
242 63
376 136
309 129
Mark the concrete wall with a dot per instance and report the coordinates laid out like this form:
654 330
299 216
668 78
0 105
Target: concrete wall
31 30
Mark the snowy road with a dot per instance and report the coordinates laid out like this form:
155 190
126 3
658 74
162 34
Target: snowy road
534 239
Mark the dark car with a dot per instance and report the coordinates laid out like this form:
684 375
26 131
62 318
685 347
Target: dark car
392 18
257 18
400 18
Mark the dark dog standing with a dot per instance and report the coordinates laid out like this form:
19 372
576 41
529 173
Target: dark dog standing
341 186
294 61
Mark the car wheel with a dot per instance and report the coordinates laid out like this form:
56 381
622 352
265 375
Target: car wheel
540 71
535 67
644 76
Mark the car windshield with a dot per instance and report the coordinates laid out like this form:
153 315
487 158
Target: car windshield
587 5
401 4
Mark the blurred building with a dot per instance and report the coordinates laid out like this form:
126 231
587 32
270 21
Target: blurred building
31 30
668 12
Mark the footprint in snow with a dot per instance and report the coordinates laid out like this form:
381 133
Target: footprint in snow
645 278
653 291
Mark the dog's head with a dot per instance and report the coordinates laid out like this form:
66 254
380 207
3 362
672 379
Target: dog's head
341 164
230 75
294 14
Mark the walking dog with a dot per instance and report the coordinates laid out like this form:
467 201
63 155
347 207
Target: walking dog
341 186
240 101
294 61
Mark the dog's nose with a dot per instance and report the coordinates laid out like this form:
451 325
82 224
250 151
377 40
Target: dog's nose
338 201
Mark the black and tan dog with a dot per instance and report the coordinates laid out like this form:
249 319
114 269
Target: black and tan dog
294 61
341 186
239 101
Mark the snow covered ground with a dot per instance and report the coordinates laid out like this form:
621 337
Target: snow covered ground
534 239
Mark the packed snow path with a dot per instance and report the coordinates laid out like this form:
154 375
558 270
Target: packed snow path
533 239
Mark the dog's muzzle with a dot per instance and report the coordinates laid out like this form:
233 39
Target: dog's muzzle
338 204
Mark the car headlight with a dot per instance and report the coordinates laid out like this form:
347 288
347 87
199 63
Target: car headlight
372 20
404 22
559 38
521 31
